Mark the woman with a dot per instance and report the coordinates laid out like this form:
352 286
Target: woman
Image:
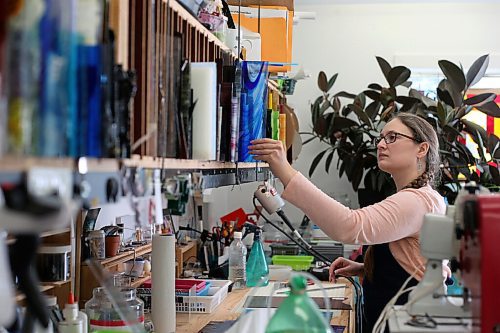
408 149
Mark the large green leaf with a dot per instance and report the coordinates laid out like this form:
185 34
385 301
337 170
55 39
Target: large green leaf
325 106
315 162
477 70
332 80
361 114
480 99
345 94
360 100
495 174
418 95
387 112
343 123
474 130
309 140
493 142
398 75
384 66
454 74
372 109
407 84
315 109
406 100
322 82
445 96
349 168
388 96
374 95
490 108
455 95
345 111
341 169
463 111
480 144
464 152
375 86
322 124
442 115
329 161
452 132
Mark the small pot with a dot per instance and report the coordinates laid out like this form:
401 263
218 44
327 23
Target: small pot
112 245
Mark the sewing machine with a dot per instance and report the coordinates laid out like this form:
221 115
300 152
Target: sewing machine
468 235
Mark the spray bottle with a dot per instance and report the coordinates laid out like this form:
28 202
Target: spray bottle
257 268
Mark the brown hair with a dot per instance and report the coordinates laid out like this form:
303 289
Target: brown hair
422 132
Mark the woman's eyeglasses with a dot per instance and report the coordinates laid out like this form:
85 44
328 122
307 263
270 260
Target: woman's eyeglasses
391 138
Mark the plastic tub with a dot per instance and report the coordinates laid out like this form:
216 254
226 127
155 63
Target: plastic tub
279 272
298 263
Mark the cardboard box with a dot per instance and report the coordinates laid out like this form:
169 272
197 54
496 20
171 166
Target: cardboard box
276 24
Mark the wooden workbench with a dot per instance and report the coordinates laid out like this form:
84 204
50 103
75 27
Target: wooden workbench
225 311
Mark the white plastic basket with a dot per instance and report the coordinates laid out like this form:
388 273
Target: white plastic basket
204 304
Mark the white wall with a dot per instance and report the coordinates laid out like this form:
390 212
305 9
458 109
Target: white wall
345 38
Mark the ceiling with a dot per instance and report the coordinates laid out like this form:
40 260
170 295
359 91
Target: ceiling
331 2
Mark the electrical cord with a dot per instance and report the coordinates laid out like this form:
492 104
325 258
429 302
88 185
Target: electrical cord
384 315
308 249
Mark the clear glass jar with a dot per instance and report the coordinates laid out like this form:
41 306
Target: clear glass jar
96 244
103 316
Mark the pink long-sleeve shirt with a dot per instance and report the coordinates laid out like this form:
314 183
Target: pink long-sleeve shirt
396 220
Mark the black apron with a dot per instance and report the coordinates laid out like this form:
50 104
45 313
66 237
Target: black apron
388 277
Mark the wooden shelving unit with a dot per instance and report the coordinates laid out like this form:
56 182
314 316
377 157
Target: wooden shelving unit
87 281
60 289
200 28
182 255
19 164
139 281
127 255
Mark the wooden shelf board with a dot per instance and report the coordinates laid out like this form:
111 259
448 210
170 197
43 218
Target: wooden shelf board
172 163
55 283
185 248
124 256
137 283
55 232
182 12
43 288
11 163
17 164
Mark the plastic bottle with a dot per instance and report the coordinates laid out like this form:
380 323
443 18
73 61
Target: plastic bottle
298 312
72 323
237 262
257 269
73 305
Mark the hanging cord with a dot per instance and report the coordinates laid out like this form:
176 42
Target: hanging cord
357 287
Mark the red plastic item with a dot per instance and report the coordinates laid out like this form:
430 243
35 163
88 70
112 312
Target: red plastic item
182 285
479 263
186 285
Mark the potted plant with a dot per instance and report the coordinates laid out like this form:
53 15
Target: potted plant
349 129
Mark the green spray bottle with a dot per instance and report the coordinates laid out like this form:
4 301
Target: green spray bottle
257 269
298 313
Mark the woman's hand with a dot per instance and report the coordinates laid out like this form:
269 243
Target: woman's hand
345 267
273 152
